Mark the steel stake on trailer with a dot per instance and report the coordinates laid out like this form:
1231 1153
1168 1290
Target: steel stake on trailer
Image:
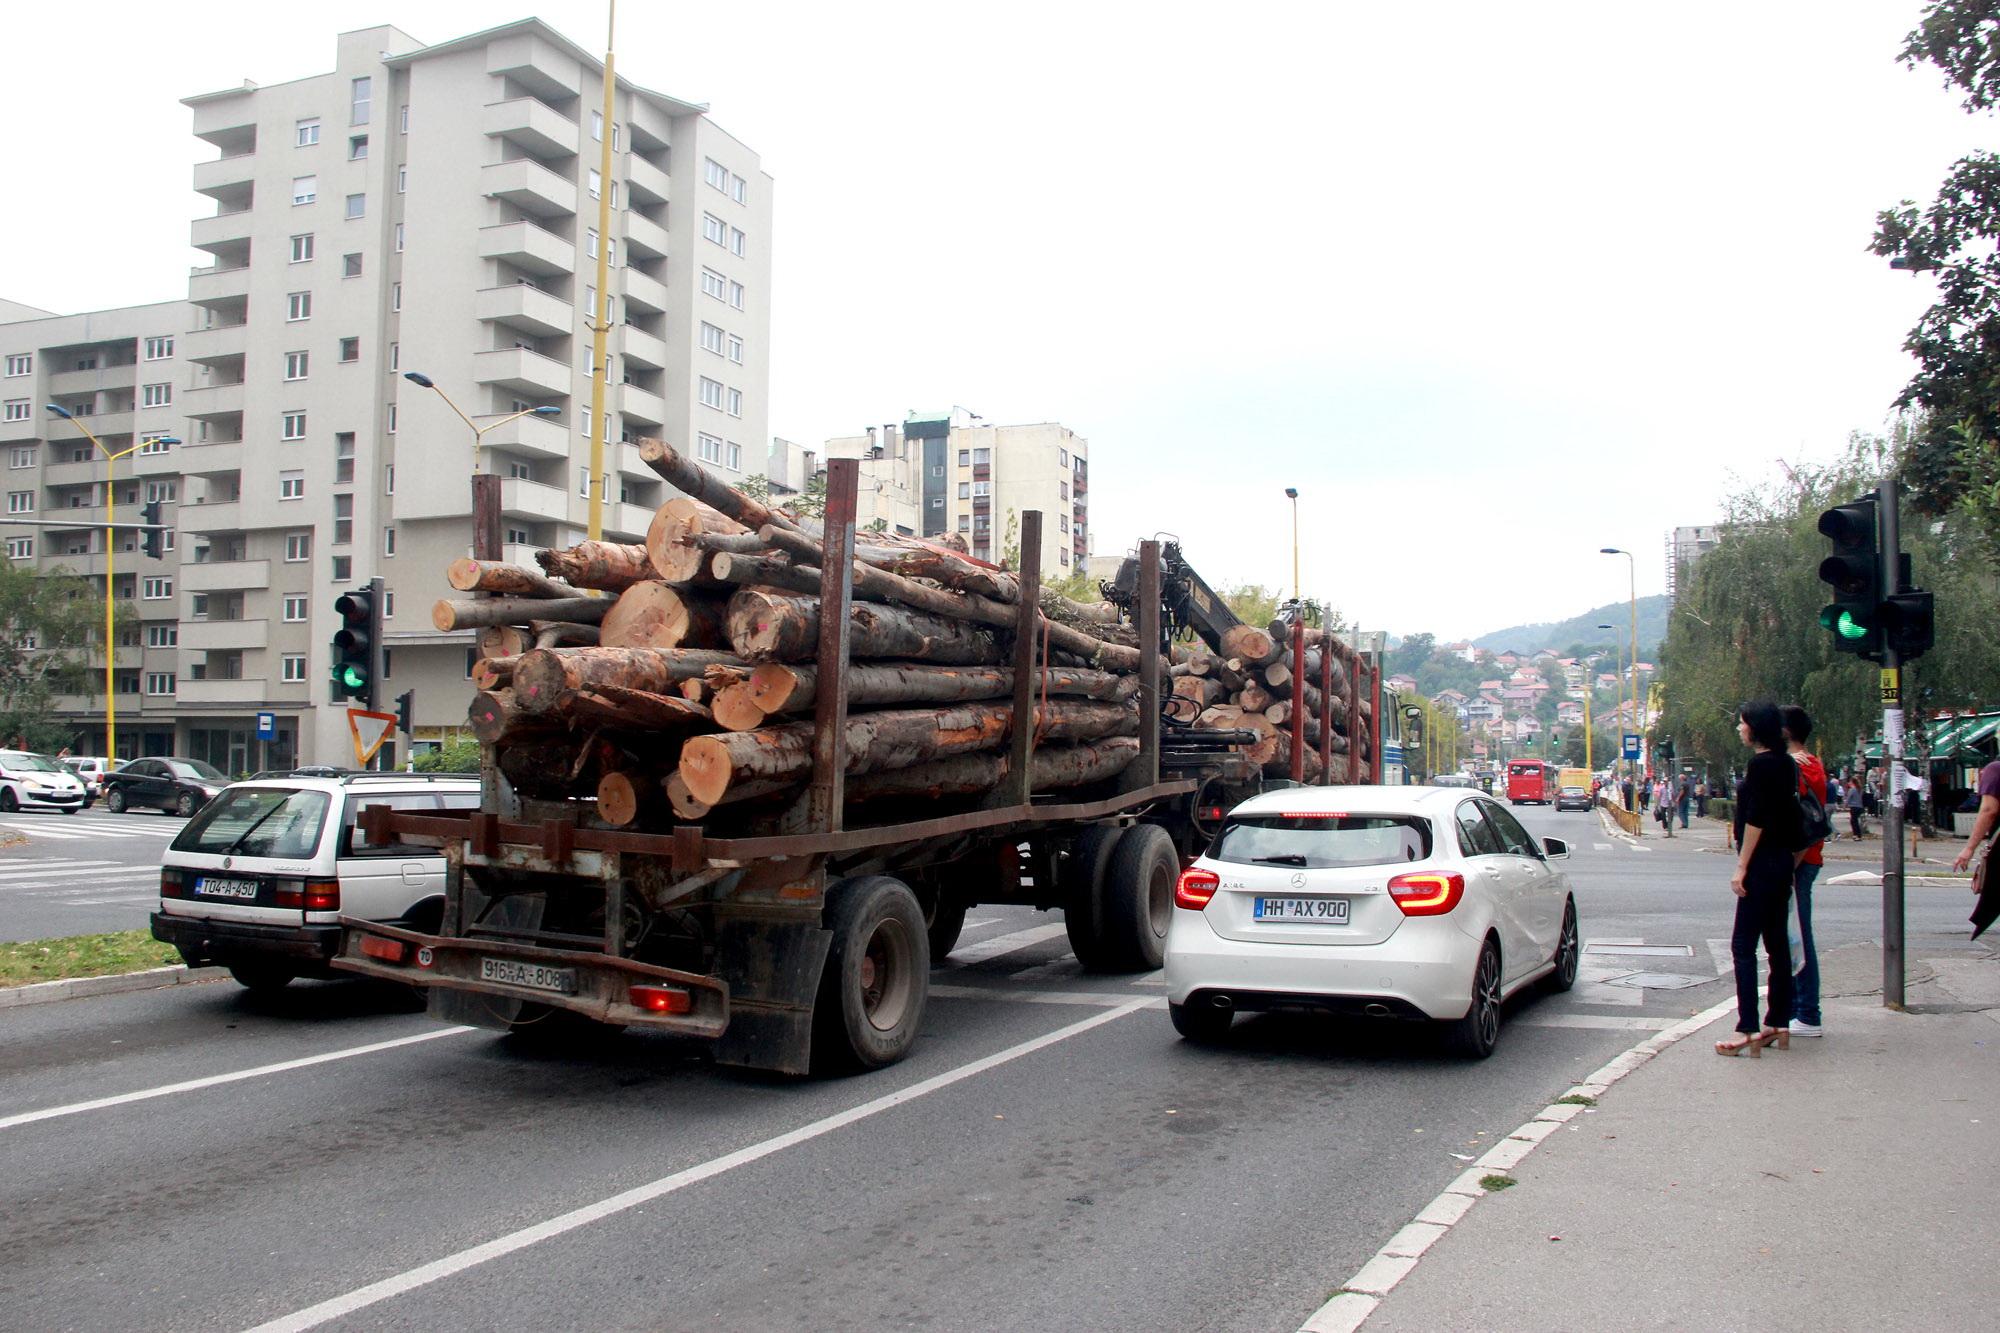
1027 666
836 593
1325 711
1299 698
1150 666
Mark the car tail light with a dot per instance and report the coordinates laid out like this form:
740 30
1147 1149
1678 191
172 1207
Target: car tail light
1195 887
172 885
389 951
1432 893
660 999
311 895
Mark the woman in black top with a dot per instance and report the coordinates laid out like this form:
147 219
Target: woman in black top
1768 834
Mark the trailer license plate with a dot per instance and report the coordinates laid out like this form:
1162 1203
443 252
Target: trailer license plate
561 980
211 887
1323 911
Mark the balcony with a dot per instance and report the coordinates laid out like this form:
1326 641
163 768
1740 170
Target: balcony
638 345
531 435
529 248
528 309
645 237
645 291
212 400
225 174
529 186
71 474
222 516
210 692
219 230
65 384
103 425
648 183
524 372
638 405
524 556
223 635
225 575
202 346
624 460
628 520
217 282
533 127
532 500
536 65
218 457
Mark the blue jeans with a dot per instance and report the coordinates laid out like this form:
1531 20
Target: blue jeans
1805 986
1685 800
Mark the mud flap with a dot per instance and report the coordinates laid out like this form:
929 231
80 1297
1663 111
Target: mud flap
521 911
772 966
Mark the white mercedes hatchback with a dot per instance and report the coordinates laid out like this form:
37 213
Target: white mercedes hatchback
1425 903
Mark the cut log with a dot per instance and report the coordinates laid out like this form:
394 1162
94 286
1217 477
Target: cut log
763 570
450 614
908 559
1200 689
1255 646
894 739
493 673
543 768
777 688
1052 767
632 710
625 797
545 674
767 627
496 715
1229 670
1278 675
605 566
561 634
697 690
504 641
655 615
736 709
687 807
502 579
676 540
696 481
1253 698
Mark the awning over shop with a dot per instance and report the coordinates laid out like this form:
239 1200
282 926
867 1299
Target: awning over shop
1945 736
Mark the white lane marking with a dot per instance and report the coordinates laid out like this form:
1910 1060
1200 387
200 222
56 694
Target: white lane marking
1095 999
375 1292
1600 846
110 902
983 921
217 1080
1641 847
30 884
1012 942
22 869
1157 977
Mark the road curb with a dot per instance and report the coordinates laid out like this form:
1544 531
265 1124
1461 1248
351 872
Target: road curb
78 988
1349 1307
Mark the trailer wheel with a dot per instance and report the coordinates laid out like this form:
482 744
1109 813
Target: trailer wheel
877 977
1082 886
947 920
1138 899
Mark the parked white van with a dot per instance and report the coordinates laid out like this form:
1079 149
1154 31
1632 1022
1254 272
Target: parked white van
257 882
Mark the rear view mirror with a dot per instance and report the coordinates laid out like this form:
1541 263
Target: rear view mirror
1556 848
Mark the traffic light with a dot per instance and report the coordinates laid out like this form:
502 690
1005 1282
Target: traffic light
152 539
1667 749
1854 571
357 646
406 712
1909 619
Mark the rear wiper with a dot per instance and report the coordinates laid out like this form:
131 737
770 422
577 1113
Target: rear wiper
1289 859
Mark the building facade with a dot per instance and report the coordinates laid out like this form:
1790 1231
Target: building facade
1687 546
435 209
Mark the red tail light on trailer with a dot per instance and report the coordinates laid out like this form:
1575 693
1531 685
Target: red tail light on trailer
660 999
1195 887
1427 894
389 951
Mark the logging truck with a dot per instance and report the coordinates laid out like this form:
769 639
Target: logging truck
750 799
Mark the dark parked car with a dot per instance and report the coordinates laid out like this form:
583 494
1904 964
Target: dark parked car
178 786
1572 798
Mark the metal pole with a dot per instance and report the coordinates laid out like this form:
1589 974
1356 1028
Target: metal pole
1146 772
1019 785
600 321
828 792
1325 709
110 613
1889 539
1298 717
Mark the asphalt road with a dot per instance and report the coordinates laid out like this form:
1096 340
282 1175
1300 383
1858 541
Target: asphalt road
80 874
1051 1155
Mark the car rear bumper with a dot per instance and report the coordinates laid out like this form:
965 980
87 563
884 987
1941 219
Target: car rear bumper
206 941
1424 970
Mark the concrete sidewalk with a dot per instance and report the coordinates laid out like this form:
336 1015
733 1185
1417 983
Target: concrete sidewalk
1934 854
1848 1183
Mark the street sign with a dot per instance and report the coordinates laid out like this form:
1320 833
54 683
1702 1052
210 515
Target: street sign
1631 745
369 730
267 726
1892 686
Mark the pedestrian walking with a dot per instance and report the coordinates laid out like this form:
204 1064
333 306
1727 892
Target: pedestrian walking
1686 798
1811 778
1988 790
1625 791
1701 798
1854 798
1645 795
1767 829
1663 806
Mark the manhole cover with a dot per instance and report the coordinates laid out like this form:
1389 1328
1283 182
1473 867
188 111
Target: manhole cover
1643 950
1659 980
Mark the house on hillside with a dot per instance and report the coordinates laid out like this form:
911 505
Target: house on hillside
1448 699
1400 684
1569 712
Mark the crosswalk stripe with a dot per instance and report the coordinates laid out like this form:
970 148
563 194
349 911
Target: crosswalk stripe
109 902
11 877
1013 942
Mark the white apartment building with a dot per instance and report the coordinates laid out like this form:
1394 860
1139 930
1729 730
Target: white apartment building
945 473
435 209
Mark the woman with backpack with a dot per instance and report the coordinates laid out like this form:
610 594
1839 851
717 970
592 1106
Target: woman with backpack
1768 841
1812 781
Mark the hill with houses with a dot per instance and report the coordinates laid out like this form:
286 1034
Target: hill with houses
1581 631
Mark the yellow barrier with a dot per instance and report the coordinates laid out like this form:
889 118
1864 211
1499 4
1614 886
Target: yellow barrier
1627 819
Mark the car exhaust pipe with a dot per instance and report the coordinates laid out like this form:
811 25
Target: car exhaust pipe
1222 1003
1376 1010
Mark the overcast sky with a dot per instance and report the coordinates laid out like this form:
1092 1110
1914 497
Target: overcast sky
1492 285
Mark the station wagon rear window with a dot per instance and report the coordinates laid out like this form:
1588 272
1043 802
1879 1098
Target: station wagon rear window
1322 841
257 821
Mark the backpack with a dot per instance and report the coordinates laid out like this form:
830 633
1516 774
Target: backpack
1814 825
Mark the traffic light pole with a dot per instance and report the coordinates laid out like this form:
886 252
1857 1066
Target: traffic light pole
1892 760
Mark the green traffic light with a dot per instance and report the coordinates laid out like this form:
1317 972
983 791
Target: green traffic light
1848 628
352 678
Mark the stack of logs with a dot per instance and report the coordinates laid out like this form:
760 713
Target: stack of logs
1246 681
689 684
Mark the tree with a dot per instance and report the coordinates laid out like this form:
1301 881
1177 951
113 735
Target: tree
1956 239
50 629
457 755
810 502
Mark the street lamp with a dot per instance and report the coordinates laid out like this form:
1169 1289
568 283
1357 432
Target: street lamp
1638 709
485 486
110 557
1298 590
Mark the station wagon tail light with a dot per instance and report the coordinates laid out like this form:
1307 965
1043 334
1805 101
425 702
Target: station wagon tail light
1428 894
660 999
172 885
389 951
311 895
1195 887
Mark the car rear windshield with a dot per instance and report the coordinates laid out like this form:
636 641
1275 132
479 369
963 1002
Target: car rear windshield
257 821
1322 841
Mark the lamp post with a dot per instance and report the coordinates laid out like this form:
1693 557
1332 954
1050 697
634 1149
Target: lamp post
1618 651
1298 590
110 559
485 486
1638 709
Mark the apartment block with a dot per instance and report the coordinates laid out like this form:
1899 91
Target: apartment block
434 208
938 474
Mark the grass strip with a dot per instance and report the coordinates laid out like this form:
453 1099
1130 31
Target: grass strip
24 962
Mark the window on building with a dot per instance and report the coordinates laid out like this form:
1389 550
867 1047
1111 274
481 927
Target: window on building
517 536
298 306
1062 554
294 667
363 94
403 179
1062 458
735 403
594 183
357 147
343 568
590 252
20 409
350 266
399 238
357 205
583 482
1062 490
715 174
736 349
392 419
389 602
159 682
965 458
20 502
21 363
403 119
395 356
291 485
389 479
292 426
738 243
343 520
711 338
156 589
981 488
306 133
714 229
981 457
732 456
965 522
597 126
714 284
159 349
395 296
163 636
711 392
23 455
739 189
736 294
295 608
965 490
305 189
708 448
388 541
298 547
163 492
350 349
1062 520
295 365
156 395
20 548
154 443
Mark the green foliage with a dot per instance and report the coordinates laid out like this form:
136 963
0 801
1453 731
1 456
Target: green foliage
1253 603
1579 631
50 632
1078 587
1010 542
757 486
458 755
810 502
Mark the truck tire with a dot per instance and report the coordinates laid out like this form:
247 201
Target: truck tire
1138 899
871 995
1082 886
947 921
262 978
